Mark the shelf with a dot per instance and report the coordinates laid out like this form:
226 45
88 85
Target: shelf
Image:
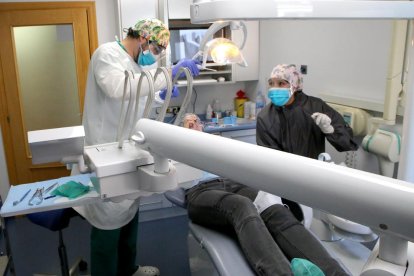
206 83
215 72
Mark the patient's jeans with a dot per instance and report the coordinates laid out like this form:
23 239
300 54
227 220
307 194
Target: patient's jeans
269 240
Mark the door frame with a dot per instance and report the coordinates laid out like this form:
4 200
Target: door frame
90 10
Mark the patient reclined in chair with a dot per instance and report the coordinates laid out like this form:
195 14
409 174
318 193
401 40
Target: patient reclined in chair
269 240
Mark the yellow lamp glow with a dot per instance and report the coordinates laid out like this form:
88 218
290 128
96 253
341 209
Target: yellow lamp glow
224 51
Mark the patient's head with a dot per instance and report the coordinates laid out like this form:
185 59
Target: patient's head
192 121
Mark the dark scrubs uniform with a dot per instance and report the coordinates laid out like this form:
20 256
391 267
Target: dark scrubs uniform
291 128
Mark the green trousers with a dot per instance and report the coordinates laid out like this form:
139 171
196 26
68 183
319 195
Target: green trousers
113 252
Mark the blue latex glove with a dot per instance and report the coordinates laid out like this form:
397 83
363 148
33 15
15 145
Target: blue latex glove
175 92
190 64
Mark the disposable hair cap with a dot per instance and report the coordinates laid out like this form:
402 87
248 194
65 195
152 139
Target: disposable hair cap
154 30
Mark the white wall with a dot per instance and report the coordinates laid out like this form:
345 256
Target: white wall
106 16
344 57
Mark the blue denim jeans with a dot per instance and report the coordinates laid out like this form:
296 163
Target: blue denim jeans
269 240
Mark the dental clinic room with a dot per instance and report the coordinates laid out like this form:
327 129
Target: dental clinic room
206 137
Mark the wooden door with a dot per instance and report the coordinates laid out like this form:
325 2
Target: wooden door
44 57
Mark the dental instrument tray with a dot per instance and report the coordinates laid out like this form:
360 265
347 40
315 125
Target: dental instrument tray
34 197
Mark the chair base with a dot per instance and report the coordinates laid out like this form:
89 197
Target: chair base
79 266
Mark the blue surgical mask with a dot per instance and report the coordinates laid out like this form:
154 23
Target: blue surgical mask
146 58
279 96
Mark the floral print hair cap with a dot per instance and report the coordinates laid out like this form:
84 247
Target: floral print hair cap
154 30
289 73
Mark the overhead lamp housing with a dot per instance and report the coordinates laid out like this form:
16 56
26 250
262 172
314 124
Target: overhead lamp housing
222 50
203 11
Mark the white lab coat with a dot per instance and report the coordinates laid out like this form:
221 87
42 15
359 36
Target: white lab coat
105 86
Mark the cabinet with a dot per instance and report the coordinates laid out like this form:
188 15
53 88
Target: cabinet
131 10
179 9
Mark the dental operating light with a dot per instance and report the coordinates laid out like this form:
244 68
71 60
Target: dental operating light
222 50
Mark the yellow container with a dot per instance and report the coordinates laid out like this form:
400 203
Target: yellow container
239 106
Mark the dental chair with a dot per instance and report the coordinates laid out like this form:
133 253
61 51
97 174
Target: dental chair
211 252
217 253
57 220
340 228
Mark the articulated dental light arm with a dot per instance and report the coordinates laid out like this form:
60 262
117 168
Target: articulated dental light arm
352 194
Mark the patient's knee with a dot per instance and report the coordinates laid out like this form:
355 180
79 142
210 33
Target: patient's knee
238 207
279 218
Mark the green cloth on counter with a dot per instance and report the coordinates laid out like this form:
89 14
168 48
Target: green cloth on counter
71 189
302 267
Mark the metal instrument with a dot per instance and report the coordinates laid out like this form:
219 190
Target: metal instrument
37 197
22 198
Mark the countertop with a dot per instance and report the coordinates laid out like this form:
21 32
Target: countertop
210 127
241 124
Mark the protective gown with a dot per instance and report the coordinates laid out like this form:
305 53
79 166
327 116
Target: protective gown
291 128
101 119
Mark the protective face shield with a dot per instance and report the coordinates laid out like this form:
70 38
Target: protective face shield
152 55
156 49
279 95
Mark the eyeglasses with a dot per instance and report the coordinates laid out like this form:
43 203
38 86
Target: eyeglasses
155 48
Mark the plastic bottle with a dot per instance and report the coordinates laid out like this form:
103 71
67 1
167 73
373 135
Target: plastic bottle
246 110
239 103
217 108
260 102
252 111
209 112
